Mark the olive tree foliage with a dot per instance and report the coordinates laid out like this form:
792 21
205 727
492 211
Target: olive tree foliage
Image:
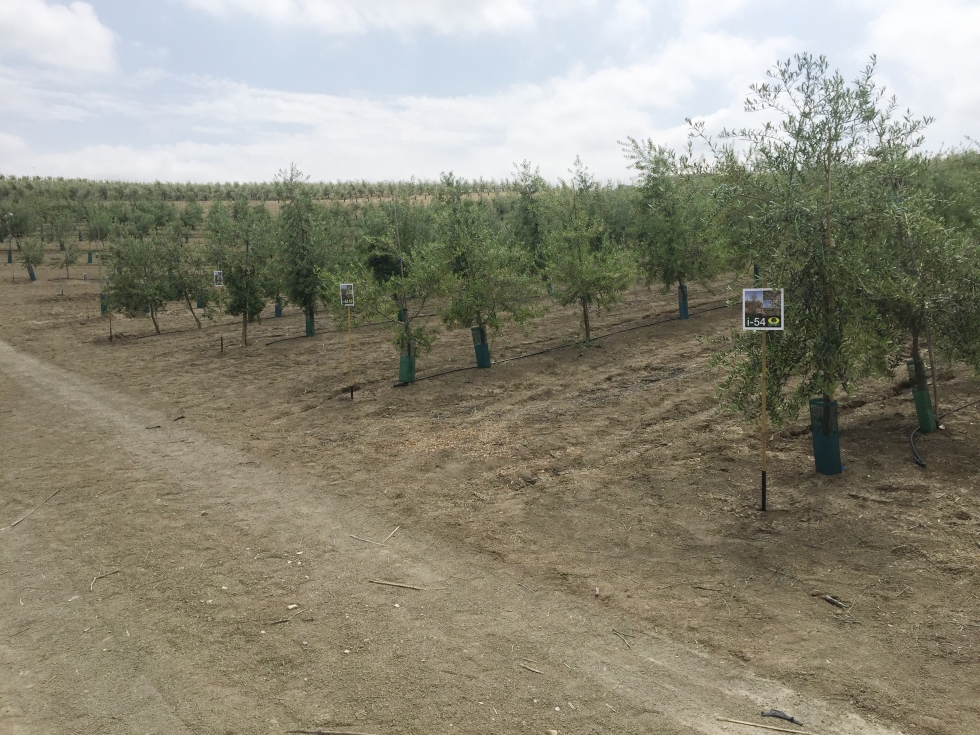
242 245
676 215
801 183
527 219
491 277
61 224
32 254
584 264
187 267
138 277
20 221
919 271
303 238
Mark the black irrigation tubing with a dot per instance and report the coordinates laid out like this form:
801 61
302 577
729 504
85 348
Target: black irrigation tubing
564 346
915 452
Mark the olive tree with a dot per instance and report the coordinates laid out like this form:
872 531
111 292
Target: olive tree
585 265
676 215
491 276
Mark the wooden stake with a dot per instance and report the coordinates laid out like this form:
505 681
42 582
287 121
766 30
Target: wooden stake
764 340
396 584
765 727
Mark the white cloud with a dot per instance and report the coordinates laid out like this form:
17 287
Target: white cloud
355 16
933 52
341 137
66 37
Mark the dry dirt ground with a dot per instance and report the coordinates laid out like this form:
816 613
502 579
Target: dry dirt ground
582 523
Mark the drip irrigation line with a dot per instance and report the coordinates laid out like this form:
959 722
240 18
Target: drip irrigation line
564 346
915 452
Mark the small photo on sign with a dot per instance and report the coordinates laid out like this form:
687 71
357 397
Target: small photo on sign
762 309
346 294
218 279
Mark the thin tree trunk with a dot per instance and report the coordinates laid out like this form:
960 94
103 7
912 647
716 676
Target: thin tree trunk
187 298
153 317
245 329
585 318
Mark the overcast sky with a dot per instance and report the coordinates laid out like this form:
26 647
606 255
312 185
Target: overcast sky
222 90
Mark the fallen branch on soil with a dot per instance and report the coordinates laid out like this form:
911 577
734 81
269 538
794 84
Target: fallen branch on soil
765 727
377 543
43 684
396 584
179 418
285 620
781 715
91 587
525 666
623 638
36 507
832 600
154 427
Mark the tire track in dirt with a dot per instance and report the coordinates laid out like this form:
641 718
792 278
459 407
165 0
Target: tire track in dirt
449 655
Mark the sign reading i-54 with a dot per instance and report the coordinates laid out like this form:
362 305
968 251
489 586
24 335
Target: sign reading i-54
762 309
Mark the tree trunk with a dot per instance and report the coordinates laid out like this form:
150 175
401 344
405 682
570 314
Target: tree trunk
585 319
153 317
187 298
244 329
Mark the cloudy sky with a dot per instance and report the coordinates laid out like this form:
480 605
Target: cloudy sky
221 90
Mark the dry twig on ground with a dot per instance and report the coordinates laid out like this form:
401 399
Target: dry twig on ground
91 587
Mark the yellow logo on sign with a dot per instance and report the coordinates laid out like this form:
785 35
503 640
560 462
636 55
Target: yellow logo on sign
774 320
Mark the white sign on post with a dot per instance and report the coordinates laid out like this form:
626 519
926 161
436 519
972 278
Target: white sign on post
346 294
218 279
762 309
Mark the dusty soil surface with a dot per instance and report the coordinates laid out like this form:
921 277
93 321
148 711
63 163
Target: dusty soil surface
582 523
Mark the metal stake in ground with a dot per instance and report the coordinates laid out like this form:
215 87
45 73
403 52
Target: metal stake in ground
762 311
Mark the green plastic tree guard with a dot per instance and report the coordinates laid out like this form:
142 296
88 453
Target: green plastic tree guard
103 302
826 436
402 316
920 394
481 346
10 255
30 272
682 300
406 369
278 308
89 256
310 326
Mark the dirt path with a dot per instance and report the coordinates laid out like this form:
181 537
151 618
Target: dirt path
204 551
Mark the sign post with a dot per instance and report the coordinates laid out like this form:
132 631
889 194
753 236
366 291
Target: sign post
347 299
762 311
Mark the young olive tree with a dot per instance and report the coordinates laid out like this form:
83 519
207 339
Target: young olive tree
491 276
397 299
303 240
814 200
242 238
186 265
32 253
676 216
584 264
138 277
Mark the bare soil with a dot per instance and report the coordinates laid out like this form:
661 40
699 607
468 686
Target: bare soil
583 525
